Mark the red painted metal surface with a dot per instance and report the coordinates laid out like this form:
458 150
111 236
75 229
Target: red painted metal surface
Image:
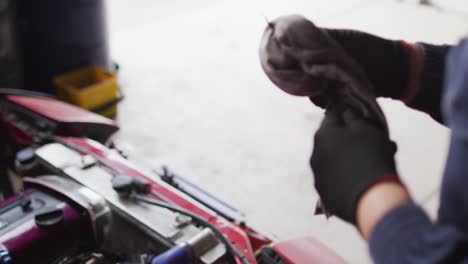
18 136
245 239
59 111
306 250
257 240
40 114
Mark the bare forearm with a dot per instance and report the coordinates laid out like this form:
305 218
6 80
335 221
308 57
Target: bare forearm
378 201
399 231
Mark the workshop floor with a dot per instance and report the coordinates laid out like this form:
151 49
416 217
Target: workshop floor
198 101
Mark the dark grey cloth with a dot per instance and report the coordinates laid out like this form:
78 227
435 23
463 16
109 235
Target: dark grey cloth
302 59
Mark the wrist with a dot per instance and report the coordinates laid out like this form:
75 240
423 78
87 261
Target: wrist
428 96
377 201
415 69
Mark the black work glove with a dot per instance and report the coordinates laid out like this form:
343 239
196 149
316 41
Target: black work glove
350 154
386 62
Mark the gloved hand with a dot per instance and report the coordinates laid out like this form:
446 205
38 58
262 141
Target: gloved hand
303 59
386 62
350 154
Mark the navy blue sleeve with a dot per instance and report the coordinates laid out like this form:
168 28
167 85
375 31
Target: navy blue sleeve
405 234
454 196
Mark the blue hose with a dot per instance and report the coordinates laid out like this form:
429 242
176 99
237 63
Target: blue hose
176 255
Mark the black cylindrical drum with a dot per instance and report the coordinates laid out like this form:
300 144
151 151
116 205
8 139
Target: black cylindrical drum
59 36
11 71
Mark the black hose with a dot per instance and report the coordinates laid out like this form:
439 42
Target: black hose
198 219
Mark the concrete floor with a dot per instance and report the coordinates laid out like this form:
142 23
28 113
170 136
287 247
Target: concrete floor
198 101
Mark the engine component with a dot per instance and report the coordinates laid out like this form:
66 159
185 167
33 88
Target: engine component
207 199
77 224
158 226
187 252
300 250
26 163
40 117
51 213
88 258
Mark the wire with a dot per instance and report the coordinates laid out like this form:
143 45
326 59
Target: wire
198 219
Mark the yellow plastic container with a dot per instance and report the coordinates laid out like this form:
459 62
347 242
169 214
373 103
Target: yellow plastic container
91 88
